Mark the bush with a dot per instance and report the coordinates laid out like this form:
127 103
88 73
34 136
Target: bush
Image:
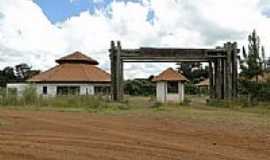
139 87
29 97
191 89
255 91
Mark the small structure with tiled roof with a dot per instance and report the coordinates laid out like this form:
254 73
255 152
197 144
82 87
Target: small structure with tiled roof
203 86
204 83
76 74
170 86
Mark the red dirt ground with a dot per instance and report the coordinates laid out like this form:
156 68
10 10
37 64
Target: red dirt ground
33 135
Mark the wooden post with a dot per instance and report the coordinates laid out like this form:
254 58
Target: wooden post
218 79
113 72
211 80
215 78
225 85
235 70
228 48
222 79
121 73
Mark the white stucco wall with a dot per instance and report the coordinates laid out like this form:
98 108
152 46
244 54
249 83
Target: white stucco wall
85 89
163 95
18 86
181 92
161 91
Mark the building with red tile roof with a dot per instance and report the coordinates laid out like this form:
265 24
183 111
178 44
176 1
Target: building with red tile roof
76 74
170 86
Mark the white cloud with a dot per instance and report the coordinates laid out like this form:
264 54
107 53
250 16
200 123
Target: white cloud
26 34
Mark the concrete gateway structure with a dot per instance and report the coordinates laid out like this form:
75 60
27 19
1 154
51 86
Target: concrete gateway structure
75 74
170 86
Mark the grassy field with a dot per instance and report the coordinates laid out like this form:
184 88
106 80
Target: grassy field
196 109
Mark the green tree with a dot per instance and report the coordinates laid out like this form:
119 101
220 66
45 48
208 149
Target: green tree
253 61
194 72
6 75
139 87
252 66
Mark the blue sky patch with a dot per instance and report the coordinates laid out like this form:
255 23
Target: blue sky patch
60 10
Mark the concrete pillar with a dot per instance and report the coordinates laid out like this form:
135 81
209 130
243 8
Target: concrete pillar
181 92
161 91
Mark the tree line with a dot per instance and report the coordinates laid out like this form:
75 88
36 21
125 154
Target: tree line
18 73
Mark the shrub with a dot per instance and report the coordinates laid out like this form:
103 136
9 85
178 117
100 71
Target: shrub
191 89
29 97
255 91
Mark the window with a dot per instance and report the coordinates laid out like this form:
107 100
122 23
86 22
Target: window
172 87
68 90
44 90
102 90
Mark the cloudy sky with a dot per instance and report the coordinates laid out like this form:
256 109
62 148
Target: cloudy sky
39 31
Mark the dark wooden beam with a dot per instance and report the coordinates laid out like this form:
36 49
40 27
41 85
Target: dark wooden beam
223 65
170 55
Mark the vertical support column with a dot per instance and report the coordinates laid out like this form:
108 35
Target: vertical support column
228 48
115 72
211 80
235 70
121 72
222 78
215 78
218 79
181 92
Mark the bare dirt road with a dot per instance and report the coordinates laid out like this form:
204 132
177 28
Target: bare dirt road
33 135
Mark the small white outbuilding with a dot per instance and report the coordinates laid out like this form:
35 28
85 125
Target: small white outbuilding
170 86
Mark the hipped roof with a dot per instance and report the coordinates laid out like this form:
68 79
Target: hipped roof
169 75
77 57
73 68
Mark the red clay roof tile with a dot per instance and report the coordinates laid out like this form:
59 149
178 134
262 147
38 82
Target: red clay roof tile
169 75
69 71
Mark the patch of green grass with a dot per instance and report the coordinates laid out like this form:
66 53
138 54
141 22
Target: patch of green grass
195 109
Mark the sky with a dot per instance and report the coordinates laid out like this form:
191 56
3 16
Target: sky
39 31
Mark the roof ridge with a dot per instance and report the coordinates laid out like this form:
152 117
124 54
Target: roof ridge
170 74
77 57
